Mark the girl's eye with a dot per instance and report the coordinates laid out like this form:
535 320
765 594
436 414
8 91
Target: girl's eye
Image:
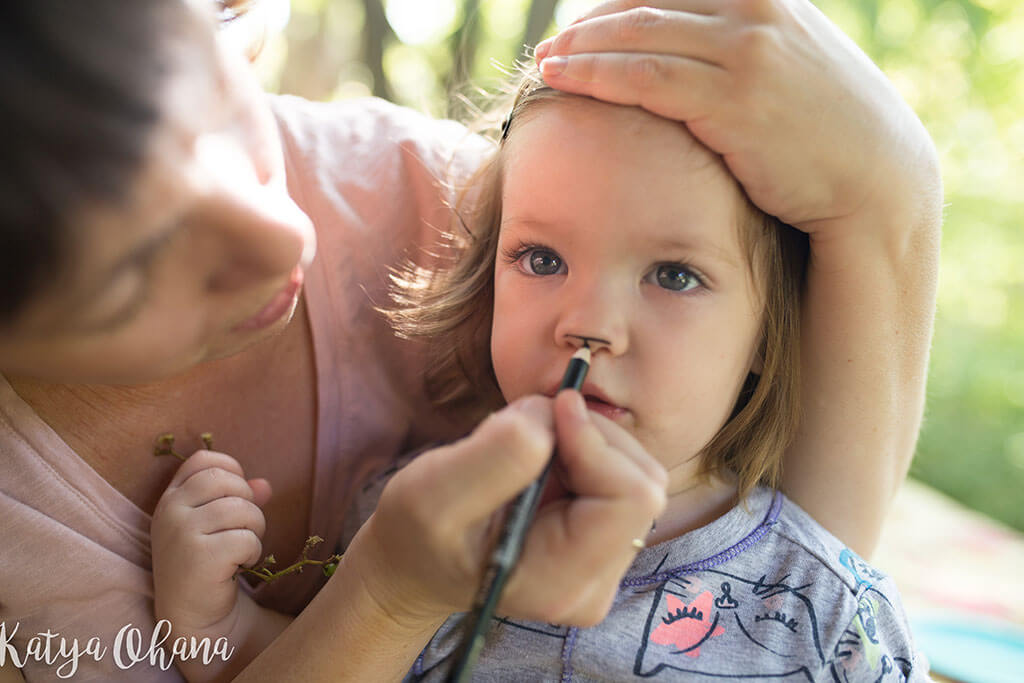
541 262
675 277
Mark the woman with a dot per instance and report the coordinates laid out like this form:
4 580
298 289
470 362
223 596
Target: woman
156 237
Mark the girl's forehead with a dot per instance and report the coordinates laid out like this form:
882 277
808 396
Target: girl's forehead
580 155
574 155
577 166
568 113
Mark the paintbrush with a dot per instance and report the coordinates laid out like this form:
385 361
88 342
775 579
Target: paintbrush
509 546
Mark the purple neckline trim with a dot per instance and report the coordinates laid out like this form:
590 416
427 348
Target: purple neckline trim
567 647
724 556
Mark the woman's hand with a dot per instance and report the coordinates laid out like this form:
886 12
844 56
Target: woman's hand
421 554
805 121
423 551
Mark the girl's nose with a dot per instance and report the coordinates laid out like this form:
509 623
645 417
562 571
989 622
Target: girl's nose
593 343
595 316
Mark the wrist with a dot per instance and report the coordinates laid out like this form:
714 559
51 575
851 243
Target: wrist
388 598
903 202
351 631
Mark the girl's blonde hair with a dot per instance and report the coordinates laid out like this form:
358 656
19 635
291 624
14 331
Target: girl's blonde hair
451 307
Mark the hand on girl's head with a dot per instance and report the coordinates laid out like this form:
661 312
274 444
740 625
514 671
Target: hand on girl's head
783 60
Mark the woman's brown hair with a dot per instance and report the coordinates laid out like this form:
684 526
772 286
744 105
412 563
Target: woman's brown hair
450 307
82 85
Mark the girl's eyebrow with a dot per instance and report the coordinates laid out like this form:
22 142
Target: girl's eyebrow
695 247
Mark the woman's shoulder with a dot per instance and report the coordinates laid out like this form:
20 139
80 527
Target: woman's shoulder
375 178
354 136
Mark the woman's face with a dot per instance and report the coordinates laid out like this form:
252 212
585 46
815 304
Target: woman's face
205 259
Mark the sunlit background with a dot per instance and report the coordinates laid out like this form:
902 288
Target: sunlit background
960 63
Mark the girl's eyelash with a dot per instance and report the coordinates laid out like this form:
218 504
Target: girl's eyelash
513 254
694 272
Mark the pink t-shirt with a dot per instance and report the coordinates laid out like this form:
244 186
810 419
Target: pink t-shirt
74 552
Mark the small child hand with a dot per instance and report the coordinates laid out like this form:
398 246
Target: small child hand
207 523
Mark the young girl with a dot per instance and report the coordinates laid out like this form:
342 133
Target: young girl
605 224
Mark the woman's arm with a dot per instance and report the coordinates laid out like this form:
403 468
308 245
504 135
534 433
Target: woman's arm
819 137
420 555
867 328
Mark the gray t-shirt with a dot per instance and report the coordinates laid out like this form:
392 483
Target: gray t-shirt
762 593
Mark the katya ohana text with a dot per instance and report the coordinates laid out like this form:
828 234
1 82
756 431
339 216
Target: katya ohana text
129 648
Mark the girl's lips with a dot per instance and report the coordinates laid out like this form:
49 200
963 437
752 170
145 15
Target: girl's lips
612 412
277 307
598 402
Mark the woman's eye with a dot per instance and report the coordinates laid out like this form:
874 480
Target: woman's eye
675 278
541 262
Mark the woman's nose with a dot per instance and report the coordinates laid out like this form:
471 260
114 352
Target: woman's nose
263 237
260 232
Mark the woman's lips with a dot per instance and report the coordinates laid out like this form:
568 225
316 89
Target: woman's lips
277 307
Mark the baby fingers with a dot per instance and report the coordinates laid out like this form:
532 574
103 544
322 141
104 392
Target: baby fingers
201 460
211 483
229 513
233 548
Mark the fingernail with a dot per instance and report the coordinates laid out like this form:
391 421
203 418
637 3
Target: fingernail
542 49
553 66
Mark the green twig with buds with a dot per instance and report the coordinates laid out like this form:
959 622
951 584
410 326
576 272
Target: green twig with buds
165 446
263 571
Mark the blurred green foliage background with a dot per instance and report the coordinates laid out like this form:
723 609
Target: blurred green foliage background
960 63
